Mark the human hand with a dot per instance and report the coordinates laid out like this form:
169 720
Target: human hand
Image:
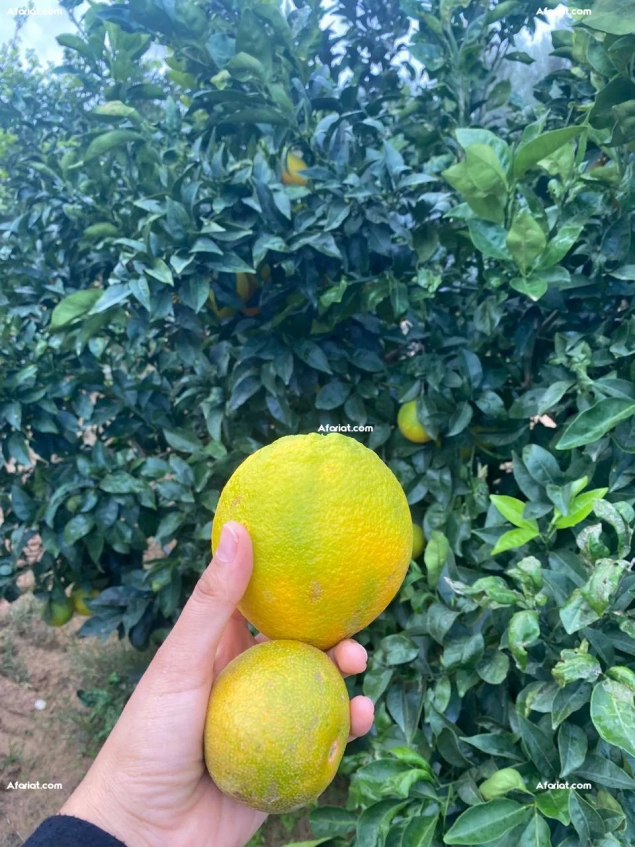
149 786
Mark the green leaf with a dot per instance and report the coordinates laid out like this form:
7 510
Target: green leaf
502 745
512 509
398 649
594 423
481 179
420 831
560 244
410 757
586 821
613 714
574 665
555 804
540 747
601 770
244 67
533 287
376 681
493 667
568 700
541 465
116 109
110 141
122 483
486 822
530 153
537 833
332 395
579 508
74 306
312 355
182 440
502 782
435 556
514 538
78 527
96 232
525 240
523 631
74 42
161 272
331 821
612 16
572 747
374 822
489 238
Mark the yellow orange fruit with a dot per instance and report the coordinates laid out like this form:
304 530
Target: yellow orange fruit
418 541
291 170
222 312
277 723
331 531
58 611
409 425
79 596
246 285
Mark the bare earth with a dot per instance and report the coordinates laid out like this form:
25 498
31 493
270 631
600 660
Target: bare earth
49 744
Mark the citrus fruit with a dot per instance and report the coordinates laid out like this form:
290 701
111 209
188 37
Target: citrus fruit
246 285
409 425
291 170
331 532
79 596
418 541
221 312
57 612
277 723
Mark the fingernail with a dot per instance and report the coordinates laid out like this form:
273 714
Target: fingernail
364 651
227 546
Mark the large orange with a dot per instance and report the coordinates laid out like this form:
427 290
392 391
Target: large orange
331 531
276 727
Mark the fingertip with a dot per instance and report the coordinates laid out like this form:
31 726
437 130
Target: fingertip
362 715
349 656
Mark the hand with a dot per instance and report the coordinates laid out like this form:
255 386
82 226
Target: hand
148 786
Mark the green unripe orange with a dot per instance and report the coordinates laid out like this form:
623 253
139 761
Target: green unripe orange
418 541
409 425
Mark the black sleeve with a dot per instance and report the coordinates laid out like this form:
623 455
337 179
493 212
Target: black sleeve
66 831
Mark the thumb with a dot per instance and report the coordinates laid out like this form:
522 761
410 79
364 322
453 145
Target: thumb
188 651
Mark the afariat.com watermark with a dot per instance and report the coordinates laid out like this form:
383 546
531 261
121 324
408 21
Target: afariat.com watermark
37 786
24 11
344 428
549 786
575 12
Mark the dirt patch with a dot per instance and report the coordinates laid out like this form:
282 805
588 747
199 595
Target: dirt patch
44 735
48 736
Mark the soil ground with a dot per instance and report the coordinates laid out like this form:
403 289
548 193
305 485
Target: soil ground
48 735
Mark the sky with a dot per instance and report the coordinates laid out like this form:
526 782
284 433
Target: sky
40 29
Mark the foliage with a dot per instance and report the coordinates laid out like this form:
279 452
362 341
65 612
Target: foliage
454 245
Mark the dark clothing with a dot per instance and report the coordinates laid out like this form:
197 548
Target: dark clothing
66 831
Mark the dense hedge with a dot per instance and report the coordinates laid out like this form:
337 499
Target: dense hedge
454 245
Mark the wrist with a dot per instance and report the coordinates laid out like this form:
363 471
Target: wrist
101 808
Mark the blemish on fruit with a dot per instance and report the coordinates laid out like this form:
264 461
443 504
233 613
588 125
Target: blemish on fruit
333 752
315 592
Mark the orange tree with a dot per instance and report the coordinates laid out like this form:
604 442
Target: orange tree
169 304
